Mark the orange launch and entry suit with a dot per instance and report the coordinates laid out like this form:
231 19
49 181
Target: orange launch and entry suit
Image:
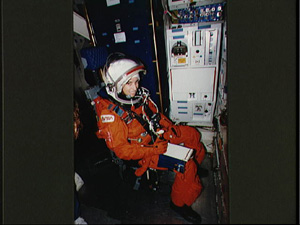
129 140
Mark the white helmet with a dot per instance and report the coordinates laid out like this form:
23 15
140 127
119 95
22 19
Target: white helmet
117 71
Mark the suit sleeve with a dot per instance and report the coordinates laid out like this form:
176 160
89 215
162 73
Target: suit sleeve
115 132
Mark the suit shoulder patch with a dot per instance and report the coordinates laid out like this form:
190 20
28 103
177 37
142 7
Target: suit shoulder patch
107 118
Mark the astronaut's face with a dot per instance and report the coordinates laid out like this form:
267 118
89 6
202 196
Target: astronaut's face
130 88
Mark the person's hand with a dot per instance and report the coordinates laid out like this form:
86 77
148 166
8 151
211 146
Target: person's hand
160 146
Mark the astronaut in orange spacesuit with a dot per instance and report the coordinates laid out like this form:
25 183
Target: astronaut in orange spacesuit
134 129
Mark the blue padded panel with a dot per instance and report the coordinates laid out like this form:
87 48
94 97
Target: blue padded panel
133 17
95 57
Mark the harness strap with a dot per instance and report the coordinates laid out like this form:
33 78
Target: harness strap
117 109
129 116
146 127
122 113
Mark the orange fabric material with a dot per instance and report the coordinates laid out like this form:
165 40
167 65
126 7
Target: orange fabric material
117 133
187 186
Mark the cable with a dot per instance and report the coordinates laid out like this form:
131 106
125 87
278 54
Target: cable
155 50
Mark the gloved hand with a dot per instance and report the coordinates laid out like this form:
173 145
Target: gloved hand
160 146
144 163
172 132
